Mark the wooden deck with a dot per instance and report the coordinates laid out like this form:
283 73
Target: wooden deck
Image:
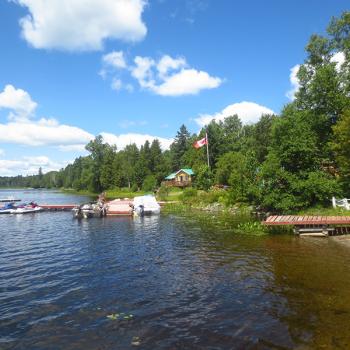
57 207
312 226
295 220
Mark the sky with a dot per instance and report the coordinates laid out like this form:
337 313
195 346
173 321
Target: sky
133 70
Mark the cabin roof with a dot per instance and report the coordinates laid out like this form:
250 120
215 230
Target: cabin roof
172 175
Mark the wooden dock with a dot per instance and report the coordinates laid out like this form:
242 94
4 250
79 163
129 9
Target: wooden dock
57 207
312 225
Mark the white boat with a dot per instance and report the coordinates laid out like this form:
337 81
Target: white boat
6 209
26 209
146 205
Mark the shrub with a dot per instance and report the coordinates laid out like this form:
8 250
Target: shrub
188 194
163 192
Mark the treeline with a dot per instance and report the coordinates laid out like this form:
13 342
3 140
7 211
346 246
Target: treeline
41 180
298 159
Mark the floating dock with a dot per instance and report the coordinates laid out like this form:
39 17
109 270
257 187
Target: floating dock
119 207
58 207
115 207
320 226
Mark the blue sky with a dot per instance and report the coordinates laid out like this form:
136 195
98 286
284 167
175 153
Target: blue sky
135 70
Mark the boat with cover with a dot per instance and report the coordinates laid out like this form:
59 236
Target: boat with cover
146 205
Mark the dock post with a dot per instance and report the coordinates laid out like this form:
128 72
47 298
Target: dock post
324 230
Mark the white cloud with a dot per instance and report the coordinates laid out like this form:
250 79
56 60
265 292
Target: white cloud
338 58
2 152
142 71
294 81
166 77
167 63
248 112
49 132
43 132
116 84
187 82
115 59
169 77
17 100
139 139
81 24
80 148
24 131
29 166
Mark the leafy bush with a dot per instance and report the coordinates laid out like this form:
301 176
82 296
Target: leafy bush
188 194
212 196
163 193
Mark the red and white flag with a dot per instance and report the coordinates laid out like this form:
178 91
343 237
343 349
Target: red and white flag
200 143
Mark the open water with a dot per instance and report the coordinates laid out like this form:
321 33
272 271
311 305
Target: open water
167 282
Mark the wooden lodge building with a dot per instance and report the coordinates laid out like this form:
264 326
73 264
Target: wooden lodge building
181 178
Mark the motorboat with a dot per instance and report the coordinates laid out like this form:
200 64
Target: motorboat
6 209
146 205
26 209
89 210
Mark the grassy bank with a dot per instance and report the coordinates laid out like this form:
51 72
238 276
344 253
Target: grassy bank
321 211
214 200
110 194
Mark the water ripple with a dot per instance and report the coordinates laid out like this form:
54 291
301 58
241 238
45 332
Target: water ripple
185 283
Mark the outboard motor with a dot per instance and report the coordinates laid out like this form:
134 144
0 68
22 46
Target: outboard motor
140 210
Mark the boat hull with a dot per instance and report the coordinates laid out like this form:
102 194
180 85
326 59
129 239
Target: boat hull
25 210
5 211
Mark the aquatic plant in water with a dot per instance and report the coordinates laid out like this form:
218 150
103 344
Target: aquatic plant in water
252 227
120 316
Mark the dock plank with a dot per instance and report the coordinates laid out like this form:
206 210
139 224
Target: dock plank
307 220
57 206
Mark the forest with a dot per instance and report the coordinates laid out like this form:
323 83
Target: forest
297 159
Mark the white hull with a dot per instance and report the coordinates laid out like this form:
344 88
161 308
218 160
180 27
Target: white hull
6 211
25 210
146 205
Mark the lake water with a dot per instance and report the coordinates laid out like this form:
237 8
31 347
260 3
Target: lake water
167 282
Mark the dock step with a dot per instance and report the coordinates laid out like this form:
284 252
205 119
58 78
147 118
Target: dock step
314 231
313 234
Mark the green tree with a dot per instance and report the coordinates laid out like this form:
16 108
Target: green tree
107 171
204 177
242 177
341 147
178 148
149 183
97 150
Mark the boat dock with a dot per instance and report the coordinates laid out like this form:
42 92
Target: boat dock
320 226
57 207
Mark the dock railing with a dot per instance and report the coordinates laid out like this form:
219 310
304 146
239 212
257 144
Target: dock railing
341 203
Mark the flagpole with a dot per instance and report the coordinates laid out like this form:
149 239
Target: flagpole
206 136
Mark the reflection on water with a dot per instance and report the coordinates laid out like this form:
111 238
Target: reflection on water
188 282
